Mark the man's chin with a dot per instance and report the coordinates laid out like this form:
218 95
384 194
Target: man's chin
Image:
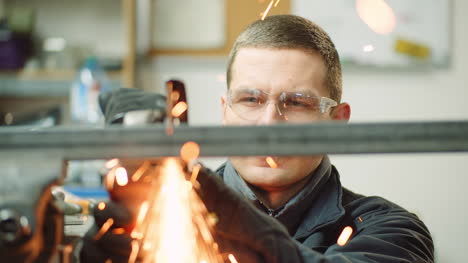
262 176
259 168
284 172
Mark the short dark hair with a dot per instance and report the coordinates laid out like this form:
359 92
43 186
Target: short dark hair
292 32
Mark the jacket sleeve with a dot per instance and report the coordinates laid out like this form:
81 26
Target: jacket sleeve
383 232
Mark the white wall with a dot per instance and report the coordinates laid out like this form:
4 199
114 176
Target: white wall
431 185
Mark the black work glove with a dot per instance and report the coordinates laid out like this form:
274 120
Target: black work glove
249 234
99 248
114 104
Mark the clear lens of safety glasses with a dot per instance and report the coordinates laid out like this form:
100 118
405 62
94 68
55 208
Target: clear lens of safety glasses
250 104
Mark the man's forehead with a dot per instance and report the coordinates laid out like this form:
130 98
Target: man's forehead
250 60
277 70
264 52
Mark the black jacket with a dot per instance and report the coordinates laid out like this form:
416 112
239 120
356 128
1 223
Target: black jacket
315 218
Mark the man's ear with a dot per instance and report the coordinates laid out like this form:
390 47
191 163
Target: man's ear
342 112
224 105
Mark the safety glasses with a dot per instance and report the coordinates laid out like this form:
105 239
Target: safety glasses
250 104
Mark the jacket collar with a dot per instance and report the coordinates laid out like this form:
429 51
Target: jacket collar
317 204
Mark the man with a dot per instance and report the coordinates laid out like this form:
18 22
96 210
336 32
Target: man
286 69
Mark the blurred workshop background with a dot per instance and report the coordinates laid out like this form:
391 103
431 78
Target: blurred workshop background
402 60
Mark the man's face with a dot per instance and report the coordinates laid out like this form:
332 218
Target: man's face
273 72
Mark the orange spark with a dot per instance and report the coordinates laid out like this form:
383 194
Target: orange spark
110 179
213 220
134 253
118 231
195 171
140 171
277 2
101 206
344 236
189 151
105 227
179 109
137 235
121 176
175 227
143 211
265 13
271 162
377 14
67 250
112 163
232 258
360 219
141 216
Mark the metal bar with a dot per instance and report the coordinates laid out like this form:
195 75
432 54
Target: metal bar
152 141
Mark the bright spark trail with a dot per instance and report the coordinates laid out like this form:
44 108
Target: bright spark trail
174 221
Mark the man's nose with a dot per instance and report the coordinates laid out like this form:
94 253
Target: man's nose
271 115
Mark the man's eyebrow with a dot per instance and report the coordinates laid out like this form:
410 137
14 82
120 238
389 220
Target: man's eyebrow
247 89
303 91
292 90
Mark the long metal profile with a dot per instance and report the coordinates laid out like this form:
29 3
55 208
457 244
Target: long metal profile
152 141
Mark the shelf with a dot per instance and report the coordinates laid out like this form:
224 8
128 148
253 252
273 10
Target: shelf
43 83
51 75
75 22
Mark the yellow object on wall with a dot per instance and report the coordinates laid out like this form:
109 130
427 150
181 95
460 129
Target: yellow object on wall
412 49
